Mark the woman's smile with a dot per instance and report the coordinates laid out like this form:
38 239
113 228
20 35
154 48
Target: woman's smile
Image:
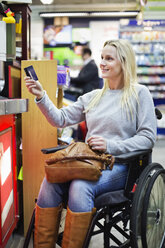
104 70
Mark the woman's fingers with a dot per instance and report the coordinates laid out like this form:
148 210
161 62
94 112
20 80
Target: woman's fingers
34 87
26 77
95 139
97 143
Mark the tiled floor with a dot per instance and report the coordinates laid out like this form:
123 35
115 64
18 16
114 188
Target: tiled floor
17 239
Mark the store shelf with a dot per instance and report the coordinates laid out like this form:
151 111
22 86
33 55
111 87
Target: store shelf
149 48
22 12
151 70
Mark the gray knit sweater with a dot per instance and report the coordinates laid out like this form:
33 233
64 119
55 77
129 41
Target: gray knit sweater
109 120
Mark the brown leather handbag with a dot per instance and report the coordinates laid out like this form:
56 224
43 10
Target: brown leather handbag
77 161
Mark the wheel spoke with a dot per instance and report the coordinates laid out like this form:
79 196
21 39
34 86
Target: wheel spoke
150 237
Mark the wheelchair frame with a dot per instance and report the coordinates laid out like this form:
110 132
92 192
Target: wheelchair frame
129 208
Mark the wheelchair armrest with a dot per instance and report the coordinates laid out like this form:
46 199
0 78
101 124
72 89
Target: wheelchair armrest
131 156
53 149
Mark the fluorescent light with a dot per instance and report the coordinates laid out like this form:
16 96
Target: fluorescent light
90 14
75 14
118 14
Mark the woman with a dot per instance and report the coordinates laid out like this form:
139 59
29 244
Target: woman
120 118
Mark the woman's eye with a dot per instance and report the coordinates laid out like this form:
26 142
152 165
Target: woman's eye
109 58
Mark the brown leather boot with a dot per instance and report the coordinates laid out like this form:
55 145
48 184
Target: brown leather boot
76 227
47 221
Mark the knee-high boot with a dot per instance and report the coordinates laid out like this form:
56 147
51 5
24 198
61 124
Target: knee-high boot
76 227
47 221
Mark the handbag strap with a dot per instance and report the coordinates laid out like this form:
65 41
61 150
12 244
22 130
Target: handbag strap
107 159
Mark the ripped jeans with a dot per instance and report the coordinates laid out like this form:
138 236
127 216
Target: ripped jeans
80 194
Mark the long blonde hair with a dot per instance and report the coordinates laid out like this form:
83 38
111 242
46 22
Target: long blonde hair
126 56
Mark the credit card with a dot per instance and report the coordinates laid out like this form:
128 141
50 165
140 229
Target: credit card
30 72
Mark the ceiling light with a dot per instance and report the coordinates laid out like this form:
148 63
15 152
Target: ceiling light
118 14
75 14
89 14
47 1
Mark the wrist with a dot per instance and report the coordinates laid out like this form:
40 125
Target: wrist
40 96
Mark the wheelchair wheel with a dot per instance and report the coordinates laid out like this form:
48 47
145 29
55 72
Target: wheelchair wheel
153 215
137 204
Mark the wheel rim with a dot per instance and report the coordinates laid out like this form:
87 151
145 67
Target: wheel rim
137 208
139 211
154 224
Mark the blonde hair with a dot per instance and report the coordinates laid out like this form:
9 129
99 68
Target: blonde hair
126 56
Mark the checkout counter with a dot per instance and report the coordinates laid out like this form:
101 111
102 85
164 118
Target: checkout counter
37 133
12 106
9 108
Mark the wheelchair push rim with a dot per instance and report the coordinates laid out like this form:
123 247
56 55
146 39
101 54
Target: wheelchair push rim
137 206
153 216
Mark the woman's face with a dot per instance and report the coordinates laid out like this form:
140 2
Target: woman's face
110 65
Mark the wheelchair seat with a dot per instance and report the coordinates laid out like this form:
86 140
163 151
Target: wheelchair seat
110 198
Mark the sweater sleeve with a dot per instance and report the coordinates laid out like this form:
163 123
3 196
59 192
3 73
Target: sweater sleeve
146 125
63 117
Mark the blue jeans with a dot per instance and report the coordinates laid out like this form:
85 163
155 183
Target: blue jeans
81 193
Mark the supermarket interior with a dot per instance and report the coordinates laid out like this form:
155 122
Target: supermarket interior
50 35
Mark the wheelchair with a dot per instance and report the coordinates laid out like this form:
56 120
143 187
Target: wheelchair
136 213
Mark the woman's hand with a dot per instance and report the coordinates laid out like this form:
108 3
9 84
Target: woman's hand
34 87
97 143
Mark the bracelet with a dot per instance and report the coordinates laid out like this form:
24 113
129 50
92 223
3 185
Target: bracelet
39 99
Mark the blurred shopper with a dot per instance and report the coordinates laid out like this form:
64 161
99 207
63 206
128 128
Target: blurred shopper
88 78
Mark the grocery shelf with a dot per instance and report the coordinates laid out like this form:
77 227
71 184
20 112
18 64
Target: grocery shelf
149 49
